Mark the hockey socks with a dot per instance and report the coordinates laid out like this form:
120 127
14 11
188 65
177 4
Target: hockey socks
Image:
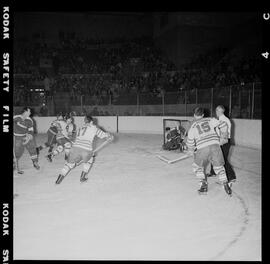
67 168
86 168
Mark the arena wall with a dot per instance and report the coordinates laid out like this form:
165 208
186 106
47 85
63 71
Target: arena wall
244 132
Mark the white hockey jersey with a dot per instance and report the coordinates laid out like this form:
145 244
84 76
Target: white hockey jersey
203 132
86 135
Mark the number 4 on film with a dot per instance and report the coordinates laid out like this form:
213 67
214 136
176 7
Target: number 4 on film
266 16
265 54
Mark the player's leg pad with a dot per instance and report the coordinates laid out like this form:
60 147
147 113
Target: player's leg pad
58 150
67 145
220 172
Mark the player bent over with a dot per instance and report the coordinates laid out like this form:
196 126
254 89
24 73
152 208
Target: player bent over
71 128
203 137
82 149
51 136
62 139
23 130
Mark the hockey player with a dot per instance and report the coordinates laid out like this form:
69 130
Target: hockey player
175 139
51 136
203 137
71 128
62 139
82 149
23 131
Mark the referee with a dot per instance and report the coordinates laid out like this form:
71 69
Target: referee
225 147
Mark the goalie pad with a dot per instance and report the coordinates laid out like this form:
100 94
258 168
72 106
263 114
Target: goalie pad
27 138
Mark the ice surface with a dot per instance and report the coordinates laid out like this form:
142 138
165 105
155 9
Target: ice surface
134 206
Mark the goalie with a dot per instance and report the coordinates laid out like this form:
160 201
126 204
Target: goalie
82 149
174 139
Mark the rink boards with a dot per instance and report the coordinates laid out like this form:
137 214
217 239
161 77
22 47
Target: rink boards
245 132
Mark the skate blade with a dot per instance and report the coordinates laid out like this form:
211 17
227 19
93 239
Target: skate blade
17 174
202 193
84 181
59 181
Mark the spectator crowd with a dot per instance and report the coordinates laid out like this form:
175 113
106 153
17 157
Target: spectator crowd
108 69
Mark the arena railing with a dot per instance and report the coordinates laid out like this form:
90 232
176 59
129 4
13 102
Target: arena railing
241 101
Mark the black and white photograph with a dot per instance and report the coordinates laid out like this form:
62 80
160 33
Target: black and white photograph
137 135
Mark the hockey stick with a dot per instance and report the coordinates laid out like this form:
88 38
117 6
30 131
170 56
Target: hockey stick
186 156
97 149
178 159
163 158
102 145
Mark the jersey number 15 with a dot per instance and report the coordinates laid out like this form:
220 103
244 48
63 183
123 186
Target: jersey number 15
203 127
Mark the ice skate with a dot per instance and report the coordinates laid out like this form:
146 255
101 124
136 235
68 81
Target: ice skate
16 168
203 188
231 182
227 188
18 171
17 174
49 157
83 177
59 179
36 166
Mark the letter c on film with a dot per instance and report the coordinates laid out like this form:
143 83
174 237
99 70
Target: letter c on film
266 16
